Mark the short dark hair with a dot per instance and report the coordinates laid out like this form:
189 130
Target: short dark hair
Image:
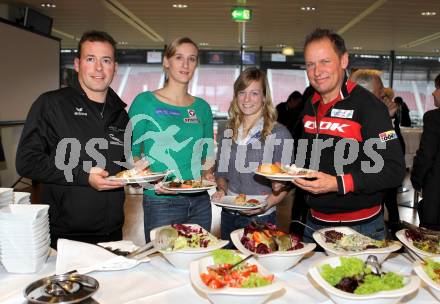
295 95
94 36
398 100
319 34
437 81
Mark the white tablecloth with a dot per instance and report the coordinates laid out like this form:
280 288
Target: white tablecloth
158 282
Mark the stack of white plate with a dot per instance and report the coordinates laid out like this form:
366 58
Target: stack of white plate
6 196
24 237
22 198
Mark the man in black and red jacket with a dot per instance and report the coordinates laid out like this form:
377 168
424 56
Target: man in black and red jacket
350 142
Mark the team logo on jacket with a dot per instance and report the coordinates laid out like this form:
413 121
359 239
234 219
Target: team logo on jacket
342 113
343 128
79 112
192 117
388 135
114 140
326 125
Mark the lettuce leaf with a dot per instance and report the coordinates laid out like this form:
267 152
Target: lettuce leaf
255 280
225 256
349 267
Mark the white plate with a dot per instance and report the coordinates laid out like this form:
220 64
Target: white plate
277 261
432 285
281 177
402 237
233 295
208 185
411 284
6 191
182 258
139 179
381 253
229 202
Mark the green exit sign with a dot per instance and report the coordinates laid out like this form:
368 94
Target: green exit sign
241 14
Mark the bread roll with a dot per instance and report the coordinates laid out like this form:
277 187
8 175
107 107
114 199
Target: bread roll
240 199
269 169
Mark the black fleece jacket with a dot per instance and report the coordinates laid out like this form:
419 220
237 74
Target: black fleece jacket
67 121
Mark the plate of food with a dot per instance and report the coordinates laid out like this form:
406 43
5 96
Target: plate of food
284 173
242 202
136 176
248 282
344 241
348 279
276 250
189 186
422 241
429 272
192 243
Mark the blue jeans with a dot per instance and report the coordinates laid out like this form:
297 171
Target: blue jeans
231 222
189 209
374 228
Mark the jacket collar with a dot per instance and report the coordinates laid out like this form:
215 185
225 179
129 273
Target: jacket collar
347 87
112 99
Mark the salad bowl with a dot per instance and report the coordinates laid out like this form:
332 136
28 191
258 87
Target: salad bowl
277 261
227 295
182 257
411 284
433 286
402 236
330 249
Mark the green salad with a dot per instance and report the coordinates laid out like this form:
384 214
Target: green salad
432 269
354 277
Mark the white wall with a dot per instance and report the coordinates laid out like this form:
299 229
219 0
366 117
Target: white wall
10 137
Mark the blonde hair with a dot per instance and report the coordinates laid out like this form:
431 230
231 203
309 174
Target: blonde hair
365 77
171 50
268 111
389 92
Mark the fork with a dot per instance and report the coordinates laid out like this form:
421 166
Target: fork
163 240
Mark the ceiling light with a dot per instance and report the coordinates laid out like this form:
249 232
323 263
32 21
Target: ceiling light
203 43
48 5
122 42
437 50
281 45
178 5
428 13
125 14
422 40
308 8
288 51
357 48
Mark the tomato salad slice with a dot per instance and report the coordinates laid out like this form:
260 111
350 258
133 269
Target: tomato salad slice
245 276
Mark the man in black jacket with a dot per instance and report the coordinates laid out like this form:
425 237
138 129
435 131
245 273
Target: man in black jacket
350 142
425 175
72 139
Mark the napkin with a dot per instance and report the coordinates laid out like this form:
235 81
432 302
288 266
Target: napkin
85 258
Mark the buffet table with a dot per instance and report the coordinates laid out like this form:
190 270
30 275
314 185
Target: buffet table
159 282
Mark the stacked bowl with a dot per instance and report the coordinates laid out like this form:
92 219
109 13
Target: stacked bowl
6 196
24 237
